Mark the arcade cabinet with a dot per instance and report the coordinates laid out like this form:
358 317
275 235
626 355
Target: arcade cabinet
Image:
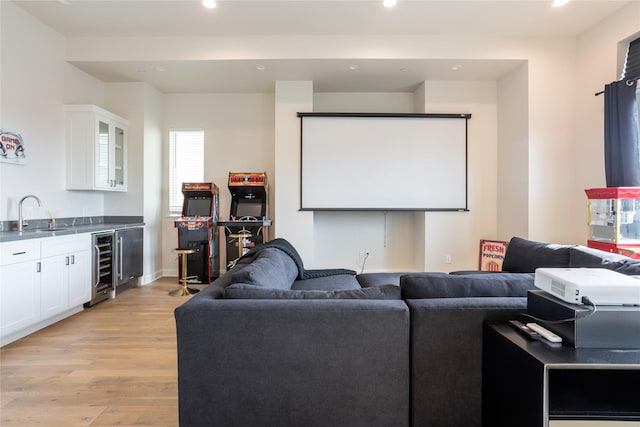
247 222
197 229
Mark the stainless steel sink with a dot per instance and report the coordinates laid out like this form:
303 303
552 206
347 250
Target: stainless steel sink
44 230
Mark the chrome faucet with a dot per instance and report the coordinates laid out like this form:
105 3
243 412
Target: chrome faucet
21 221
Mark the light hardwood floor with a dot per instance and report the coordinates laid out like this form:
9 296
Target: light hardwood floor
112 364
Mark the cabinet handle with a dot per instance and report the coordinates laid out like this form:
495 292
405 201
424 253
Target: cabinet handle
39 267
120 258
66 260
96 267
19 253
73 259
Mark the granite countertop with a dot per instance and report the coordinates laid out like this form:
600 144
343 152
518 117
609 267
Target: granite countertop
38 233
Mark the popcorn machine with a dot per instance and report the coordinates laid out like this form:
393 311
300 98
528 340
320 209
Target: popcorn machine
614 220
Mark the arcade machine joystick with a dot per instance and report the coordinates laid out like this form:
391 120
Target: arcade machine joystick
247 217
197 229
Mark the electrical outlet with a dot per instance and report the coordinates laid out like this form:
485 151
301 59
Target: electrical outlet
447 258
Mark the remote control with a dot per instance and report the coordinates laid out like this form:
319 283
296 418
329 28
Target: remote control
544 333
525 330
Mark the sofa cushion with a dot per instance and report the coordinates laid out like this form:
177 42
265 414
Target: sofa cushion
442 285
270 268
524 256
242 291
367 280
582 256
327 283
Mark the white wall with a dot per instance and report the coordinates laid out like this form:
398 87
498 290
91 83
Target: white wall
396 240
239 137
560 148
513 154
142 106
458 234
342 237
599 62
153 179
127 100
292 97
551 145
36 82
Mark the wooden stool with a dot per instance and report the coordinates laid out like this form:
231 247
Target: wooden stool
240 236
184 290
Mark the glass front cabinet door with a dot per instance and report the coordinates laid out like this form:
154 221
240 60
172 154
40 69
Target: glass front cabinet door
96 148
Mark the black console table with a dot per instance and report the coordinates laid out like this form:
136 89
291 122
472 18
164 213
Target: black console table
530 383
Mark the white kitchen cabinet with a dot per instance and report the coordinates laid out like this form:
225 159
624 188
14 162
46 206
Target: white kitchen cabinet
42 281
65 273
53 286
96 149
80 278
19 285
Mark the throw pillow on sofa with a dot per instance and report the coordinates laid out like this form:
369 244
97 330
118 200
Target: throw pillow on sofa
524 256
443 285
328 283
582 256
242 291
271 268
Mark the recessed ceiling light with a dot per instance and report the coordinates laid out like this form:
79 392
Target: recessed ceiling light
161 68
389 3
456 67
209 4
558 3
260 67
64 2
353 67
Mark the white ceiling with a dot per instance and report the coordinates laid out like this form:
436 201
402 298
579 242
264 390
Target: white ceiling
237 18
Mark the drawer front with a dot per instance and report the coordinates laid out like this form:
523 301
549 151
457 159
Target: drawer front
59 245
20 251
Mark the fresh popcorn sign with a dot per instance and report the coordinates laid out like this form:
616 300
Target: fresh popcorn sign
12 148
492 254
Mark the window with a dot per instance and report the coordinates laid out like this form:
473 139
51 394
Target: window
186 163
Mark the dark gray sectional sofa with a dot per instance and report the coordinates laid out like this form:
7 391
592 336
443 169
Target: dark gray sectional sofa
272 344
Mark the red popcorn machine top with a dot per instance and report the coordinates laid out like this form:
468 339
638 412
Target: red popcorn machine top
197 229
246 226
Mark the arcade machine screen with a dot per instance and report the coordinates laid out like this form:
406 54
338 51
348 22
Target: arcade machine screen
249 209
197 206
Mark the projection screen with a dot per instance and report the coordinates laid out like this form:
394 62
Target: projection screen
385 162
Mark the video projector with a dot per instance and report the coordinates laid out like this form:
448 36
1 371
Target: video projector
601 286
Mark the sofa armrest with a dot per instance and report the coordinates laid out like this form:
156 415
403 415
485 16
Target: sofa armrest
293 362
446 356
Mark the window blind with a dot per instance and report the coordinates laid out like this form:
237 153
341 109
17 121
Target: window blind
186 163
632 62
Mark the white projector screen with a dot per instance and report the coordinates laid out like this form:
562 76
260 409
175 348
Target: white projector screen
384 161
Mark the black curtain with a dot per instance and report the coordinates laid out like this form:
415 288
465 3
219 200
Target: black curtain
621 151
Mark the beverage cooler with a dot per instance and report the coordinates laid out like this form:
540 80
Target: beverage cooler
103 277
117 260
